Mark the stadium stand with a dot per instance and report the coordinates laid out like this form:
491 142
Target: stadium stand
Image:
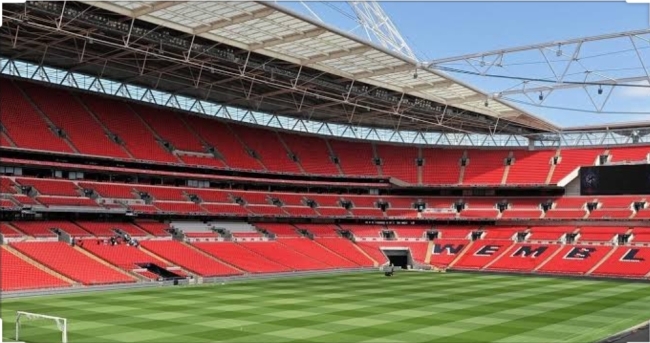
244 259
189 259
18 274
85 269
16 111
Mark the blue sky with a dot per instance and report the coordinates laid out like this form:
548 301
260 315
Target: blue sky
443 29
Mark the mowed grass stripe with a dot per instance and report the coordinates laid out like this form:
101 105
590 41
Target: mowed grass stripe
361 307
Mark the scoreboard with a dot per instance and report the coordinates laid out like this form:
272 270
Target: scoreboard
630 179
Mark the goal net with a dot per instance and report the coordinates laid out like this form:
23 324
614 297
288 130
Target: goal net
23 317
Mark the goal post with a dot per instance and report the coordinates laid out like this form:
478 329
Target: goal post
61 323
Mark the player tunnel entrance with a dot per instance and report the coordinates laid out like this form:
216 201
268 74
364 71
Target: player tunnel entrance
399 257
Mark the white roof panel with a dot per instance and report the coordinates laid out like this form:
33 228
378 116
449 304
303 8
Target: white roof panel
278 33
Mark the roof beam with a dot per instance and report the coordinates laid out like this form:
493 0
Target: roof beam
288 39
338 54
471 98
430 85
384 71
238 19
153 7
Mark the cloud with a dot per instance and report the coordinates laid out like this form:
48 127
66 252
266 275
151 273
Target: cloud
637 92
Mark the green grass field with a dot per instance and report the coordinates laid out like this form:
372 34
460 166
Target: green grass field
361 307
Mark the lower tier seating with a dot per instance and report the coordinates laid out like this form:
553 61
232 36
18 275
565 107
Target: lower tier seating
188 258
58 257
626 262
240 257
316 251
18 274
124 256
575 259
347 249
524 257
278 253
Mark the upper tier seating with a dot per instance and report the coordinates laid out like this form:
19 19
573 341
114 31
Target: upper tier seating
575 259
240 257
57 256
278 253
188 258
68 114
572 159
399 162
170 127
485 167
629 154
122 255
219 136
16 111
530 167
269 148
18 274
316 251
441 166
355 158
209 161
312 152
120 120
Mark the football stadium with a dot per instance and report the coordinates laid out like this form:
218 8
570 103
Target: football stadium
243 172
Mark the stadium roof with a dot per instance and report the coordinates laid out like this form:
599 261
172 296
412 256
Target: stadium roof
278 33
274 60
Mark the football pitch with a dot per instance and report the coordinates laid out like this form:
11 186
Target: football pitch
359 307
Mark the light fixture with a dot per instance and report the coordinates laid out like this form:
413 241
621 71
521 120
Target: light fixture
541 96
487 103
600 90
415 74
559 50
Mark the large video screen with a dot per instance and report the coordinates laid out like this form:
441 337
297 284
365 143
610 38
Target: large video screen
615 180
